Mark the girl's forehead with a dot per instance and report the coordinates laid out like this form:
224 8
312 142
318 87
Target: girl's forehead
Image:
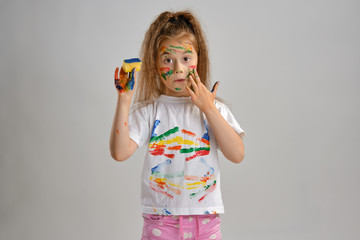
179 45
177 41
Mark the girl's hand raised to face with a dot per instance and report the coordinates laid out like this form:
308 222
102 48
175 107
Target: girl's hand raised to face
201 96
125 86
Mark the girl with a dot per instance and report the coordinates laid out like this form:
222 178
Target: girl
182 124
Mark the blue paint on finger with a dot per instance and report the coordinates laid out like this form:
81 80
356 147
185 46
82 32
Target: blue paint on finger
131 83
212 90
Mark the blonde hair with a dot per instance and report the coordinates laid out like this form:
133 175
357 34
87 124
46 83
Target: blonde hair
169 25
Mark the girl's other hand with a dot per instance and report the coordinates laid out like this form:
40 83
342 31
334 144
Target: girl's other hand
125 86
201 96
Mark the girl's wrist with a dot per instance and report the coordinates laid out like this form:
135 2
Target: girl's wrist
210 109
124 101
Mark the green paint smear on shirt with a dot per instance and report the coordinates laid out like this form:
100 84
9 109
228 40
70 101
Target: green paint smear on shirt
188 150
167 176
205 188
164 135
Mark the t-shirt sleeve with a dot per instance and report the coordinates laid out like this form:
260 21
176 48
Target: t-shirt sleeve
139 125
229 117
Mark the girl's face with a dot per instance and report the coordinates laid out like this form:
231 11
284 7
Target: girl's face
176 59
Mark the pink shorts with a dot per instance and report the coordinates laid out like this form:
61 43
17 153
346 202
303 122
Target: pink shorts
195 227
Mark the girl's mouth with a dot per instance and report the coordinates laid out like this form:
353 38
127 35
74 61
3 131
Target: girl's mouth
180 80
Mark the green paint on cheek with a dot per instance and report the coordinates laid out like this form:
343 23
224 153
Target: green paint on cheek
164 76
190 72
167 74
178 89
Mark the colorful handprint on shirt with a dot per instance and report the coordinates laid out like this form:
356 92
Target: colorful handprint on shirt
164 180
158 144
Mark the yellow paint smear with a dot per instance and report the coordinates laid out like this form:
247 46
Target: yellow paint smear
195 183
178 140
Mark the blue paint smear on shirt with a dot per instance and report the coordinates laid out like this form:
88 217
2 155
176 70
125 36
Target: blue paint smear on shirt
156 123
159 167
206 135
167 212
211 170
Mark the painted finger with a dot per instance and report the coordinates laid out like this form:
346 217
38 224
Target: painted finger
191 70
117 80
197 78
199 84
193 84
116 75
131 82
135 78
123 74
215 87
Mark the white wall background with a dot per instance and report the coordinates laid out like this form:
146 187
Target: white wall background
289 69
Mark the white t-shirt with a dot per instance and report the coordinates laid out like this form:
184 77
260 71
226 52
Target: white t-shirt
181 174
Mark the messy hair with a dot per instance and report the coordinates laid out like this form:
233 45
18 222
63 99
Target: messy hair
169 25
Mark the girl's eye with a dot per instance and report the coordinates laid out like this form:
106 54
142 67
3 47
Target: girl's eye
168 60
186 59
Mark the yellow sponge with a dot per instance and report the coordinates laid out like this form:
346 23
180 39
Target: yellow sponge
130 64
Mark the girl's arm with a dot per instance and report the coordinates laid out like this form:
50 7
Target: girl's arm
229 141
121 145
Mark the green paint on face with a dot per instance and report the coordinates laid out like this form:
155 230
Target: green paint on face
178 89
176 47
170 50
167 74
191 72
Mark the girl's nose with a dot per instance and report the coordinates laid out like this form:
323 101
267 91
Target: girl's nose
178 67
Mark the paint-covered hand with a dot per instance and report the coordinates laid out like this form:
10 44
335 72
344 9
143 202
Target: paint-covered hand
123 84
201 96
